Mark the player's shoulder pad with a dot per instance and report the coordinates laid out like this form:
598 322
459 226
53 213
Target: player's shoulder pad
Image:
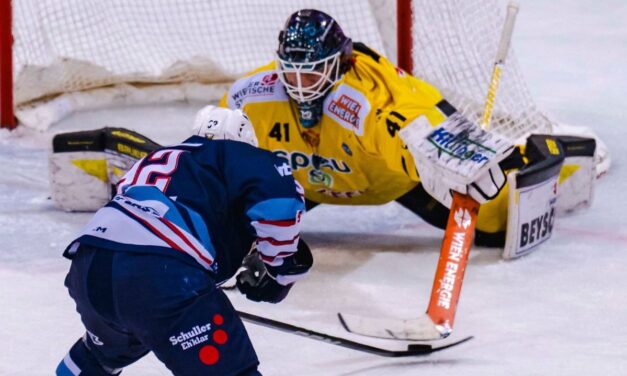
262 85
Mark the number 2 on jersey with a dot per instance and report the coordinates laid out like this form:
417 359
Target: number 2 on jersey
155 169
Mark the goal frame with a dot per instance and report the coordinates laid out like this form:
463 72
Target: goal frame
7 116
8 120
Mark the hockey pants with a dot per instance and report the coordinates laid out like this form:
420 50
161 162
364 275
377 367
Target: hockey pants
132 303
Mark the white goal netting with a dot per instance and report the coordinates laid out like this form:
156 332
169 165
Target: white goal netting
71 55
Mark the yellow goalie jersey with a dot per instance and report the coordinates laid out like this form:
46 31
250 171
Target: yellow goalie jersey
354 154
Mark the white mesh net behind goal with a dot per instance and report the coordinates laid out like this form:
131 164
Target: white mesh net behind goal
70 45
83 54
73 45
455 48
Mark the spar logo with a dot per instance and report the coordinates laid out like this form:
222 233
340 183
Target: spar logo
460 146
462 218
209 354
298 159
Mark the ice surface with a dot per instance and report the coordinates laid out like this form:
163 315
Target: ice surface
558 311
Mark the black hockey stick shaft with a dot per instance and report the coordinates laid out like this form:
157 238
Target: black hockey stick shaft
412 349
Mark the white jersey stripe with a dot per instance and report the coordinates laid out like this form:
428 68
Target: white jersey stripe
114 225
176 237
280 233
272 251
141 223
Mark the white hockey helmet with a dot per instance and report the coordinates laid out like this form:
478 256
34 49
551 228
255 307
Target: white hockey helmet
221 123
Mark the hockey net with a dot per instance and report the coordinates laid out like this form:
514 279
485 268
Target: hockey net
71 55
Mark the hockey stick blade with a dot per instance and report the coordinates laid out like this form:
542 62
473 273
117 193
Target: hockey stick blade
414 349
421 328
437 322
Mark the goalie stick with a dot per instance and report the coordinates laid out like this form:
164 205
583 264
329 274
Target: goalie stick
413 349
437 322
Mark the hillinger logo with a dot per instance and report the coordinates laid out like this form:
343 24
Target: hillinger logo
462 218
460 146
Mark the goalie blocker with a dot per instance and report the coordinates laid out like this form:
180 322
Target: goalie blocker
84 166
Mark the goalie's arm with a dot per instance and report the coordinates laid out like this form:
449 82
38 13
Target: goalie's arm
386 140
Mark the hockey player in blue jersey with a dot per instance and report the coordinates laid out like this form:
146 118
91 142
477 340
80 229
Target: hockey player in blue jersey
145 268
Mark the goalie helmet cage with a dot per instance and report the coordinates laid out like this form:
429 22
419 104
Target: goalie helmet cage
71 55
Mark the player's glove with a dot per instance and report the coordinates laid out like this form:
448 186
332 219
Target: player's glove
257 284
260 284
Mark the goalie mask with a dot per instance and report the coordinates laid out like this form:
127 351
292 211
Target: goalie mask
313 55
220 123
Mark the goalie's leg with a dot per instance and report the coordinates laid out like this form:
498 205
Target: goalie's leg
490 231
426 207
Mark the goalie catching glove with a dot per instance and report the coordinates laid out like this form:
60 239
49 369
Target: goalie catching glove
457 156
260 281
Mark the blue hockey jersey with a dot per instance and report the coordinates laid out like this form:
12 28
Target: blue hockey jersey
205 201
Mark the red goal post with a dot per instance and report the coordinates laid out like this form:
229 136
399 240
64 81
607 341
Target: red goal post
7 118
73 55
